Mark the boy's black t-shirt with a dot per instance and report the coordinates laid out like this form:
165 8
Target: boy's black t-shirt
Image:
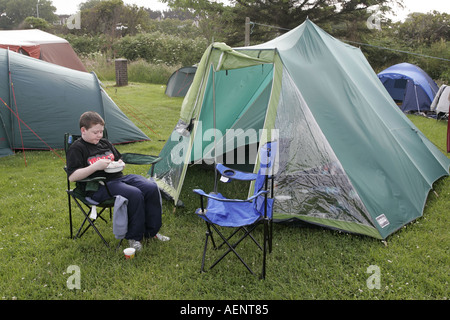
82 154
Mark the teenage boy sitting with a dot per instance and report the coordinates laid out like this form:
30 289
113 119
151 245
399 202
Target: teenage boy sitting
90 155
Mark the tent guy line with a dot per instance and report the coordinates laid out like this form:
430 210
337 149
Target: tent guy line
396 50
363 44
34 132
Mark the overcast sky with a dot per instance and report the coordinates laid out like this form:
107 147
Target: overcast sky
71 6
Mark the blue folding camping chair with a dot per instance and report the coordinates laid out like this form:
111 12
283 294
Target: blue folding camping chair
241 215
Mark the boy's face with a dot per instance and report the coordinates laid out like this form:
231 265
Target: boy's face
93 134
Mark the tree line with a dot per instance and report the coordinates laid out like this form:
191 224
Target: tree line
133 32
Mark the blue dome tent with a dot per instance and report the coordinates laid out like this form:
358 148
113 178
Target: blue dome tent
410 87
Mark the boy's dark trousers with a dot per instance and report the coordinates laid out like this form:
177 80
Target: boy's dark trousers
144 204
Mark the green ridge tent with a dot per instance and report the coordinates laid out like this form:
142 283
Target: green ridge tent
180 81
348 158
40 101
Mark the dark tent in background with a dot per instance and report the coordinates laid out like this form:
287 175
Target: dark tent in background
180 81
41 101
410 87
41 45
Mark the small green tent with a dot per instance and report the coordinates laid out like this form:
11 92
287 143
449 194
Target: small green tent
180 81
40 101
348 158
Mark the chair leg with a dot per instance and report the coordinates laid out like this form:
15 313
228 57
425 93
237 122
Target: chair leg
270 235
120 243
79 233
91 224
253 238
208 234
231 236
211 235
265 244
231 249
70 216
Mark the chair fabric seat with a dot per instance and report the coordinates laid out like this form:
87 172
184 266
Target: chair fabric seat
89 201
232 214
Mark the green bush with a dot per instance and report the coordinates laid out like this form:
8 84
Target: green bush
155 48
152 57
161 48
85 44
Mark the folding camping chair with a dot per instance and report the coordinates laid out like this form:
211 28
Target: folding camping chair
88 206
241 215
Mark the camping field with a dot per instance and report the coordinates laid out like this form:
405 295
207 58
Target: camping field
38 259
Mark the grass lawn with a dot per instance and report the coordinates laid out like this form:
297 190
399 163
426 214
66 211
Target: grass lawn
306 263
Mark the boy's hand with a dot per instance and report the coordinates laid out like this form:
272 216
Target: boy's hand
101 164
82 173
121 162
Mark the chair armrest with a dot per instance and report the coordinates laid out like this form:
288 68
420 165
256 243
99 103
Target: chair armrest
91 183
235 174
220 198
136 158
94 179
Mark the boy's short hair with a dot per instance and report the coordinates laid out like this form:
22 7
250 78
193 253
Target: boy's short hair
90 118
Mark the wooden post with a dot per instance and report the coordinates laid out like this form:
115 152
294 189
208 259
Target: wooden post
247 32
121 72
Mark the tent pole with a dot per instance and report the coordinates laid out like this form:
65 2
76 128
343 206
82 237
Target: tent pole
417 98
10 101
12 98
8 136
214 126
